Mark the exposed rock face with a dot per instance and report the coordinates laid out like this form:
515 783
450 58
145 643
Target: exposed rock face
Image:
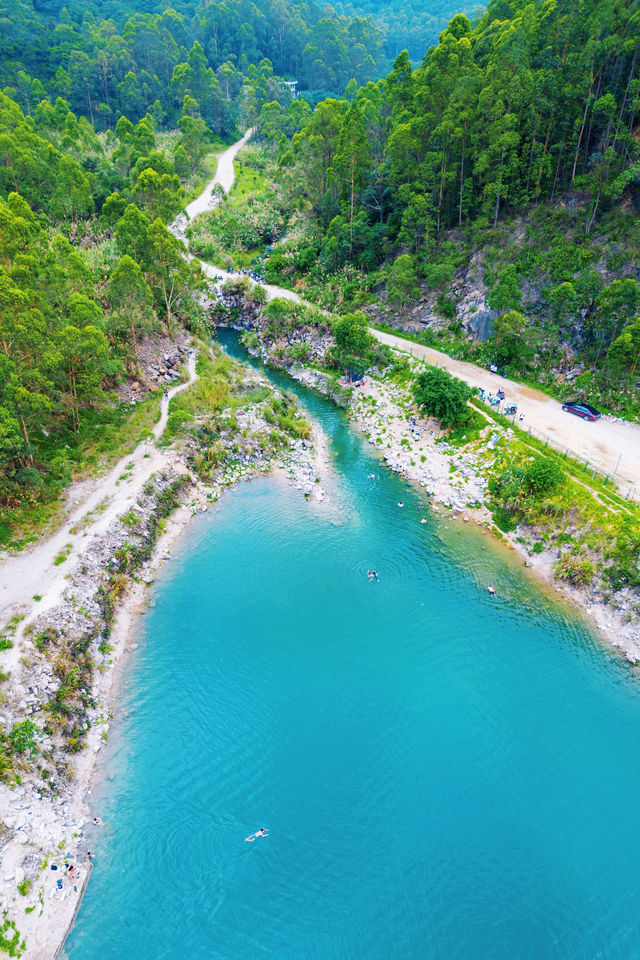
468 293
479 323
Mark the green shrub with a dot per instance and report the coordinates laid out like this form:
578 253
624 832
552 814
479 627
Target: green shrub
543 475
443 396
22 737
504 520
574 569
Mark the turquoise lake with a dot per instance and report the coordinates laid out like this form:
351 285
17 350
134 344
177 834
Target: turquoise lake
443 774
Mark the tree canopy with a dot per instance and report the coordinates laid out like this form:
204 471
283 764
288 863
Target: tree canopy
442 396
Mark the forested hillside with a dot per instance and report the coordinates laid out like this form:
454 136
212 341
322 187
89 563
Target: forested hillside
413 25
514 146
114 58
108 121
87 269
498 177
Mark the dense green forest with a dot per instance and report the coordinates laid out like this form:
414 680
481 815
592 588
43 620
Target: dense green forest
108 59
515 142
87 268
508 157
514 111
412 25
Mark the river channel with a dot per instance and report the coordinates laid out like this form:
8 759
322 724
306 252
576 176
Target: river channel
443 774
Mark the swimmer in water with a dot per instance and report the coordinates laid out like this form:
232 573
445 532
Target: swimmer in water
262 832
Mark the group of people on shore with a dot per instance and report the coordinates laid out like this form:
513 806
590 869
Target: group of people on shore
71 871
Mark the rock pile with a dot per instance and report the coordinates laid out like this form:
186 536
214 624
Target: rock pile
163 369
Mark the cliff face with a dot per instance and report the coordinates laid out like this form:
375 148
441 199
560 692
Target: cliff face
466 301
566 285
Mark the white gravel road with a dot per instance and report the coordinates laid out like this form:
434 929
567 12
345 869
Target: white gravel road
610 446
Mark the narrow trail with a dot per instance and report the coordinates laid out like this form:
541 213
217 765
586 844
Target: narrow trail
224 178
95 504
159 427
609 447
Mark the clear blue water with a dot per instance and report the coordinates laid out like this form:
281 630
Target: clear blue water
443 774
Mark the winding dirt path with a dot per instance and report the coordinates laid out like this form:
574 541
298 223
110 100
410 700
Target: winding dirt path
224 177
94 505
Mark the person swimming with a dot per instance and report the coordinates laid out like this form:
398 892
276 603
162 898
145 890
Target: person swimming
262 832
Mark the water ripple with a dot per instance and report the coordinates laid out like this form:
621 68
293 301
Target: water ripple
443 774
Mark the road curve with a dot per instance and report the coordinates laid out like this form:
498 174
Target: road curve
158 428
610 447
225 175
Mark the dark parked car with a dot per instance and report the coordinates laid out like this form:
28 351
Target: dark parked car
581 409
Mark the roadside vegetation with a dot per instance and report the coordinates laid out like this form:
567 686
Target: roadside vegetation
246 223
548 501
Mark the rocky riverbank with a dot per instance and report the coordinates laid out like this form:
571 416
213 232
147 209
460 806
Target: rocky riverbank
454 476
57 700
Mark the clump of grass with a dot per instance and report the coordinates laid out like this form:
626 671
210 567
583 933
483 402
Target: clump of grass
63 555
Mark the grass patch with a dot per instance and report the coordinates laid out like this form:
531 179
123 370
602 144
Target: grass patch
63 555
